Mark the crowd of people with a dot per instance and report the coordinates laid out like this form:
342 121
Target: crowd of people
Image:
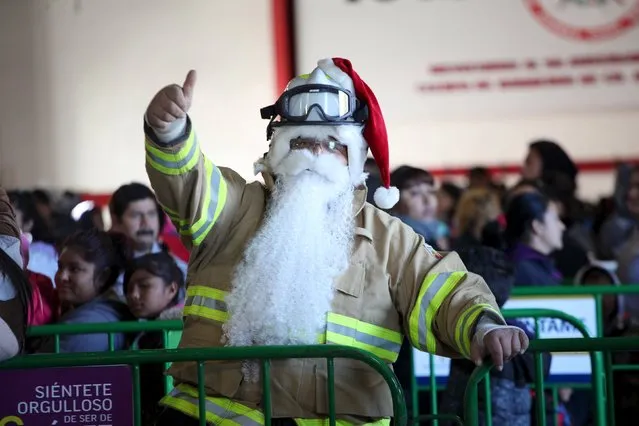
537 233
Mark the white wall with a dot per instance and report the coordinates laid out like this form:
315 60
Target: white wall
395 44
77 75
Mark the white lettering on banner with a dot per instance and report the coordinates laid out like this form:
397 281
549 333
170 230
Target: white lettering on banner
64 399
583 308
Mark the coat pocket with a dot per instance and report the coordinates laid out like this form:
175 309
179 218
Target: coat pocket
359 390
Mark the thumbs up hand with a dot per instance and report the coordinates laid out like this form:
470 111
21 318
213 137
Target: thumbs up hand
171 104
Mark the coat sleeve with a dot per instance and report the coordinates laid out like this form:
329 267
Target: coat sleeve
199 197
440 302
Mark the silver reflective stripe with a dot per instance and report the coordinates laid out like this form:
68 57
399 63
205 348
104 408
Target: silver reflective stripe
435 286
217 409
216 177
178 164
363 337
207 302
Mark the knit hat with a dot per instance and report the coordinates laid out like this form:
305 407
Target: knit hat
375 134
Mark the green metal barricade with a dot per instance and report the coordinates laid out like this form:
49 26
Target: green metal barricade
596 292
264 354
593 345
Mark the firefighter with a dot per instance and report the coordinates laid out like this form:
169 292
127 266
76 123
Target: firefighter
303 259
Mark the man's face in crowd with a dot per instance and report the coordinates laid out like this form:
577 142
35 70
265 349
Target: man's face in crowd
141 223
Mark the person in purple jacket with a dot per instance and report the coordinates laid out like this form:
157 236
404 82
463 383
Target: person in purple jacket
534 231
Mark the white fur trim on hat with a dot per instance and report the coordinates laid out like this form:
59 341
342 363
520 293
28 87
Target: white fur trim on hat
334 72
386 198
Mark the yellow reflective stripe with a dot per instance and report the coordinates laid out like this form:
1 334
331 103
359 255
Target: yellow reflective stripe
174 216
206 302
211 293
464 326
343 330
220 411
434 290
215 193
174 163
327 422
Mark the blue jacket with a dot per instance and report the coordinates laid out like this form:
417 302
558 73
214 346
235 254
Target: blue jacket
103 309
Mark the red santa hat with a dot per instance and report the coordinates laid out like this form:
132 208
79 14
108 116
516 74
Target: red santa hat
375 133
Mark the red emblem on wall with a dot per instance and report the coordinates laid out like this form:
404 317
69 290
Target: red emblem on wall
586 20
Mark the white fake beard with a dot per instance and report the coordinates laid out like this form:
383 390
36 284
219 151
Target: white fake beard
283 288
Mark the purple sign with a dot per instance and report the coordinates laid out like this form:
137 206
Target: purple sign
73 396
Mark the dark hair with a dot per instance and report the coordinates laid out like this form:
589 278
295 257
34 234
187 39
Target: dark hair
129 193
20 281
554 158
522 211
404 177
24 201
161 265
479 172
41 196
86 220
106 250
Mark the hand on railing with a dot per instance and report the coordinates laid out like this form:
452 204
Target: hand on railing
501 345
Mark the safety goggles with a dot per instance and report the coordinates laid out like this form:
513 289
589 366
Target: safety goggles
314 104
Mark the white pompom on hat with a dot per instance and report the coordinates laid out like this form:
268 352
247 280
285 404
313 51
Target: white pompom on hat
385 196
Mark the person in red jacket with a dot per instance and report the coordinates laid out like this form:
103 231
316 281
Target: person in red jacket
45 306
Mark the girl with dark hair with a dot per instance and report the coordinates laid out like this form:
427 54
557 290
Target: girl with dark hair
89 264
15 289
153 285
534 231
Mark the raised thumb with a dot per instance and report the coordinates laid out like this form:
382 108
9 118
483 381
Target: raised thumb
189 84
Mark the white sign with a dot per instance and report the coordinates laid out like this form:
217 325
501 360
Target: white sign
448 59
564 366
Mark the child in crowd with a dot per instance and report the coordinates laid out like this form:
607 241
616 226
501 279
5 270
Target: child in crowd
153 285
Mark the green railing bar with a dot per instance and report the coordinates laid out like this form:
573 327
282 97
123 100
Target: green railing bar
590 290
137 397
266 383
109 327
593 344
218 354
201 394
624 367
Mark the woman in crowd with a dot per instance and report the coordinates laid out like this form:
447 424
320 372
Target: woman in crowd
477 218
42 256
548 163
15 289
89 264
152 285
534 231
